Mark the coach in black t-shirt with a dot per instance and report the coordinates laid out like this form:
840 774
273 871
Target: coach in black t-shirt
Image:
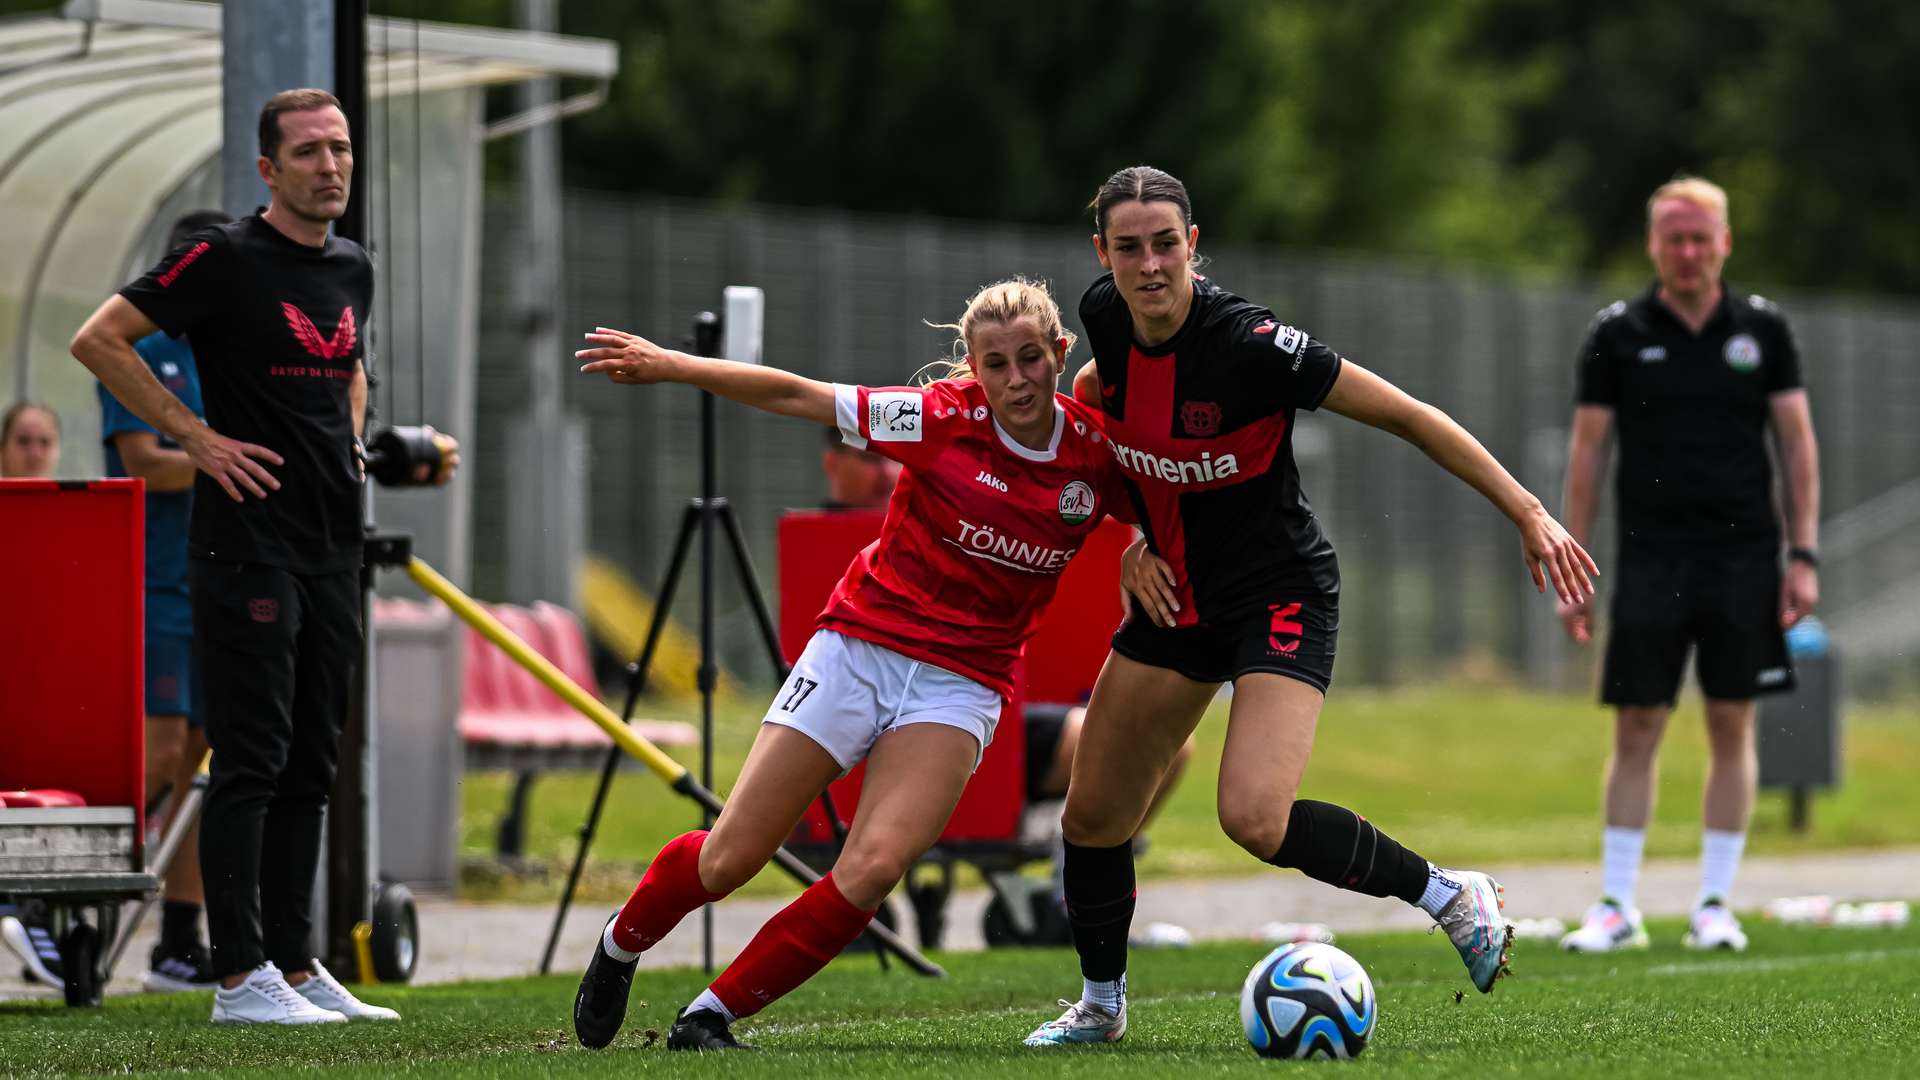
1691 374
273 306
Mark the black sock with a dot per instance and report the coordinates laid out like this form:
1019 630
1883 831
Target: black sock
1333 844
1099 888
179 926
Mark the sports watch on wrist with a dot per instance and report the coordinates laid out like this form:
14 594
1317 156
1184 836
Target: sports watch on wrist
1803 554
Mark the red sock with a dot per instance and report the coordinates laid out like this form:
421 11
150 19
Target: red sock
793 945
670 889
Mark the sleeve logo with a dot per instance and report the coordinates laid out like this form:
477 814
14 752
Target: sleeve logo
186 260
1288 340
894 416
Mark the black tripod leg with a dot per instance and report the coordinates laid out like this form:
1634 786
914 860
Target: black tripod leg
750 583
636 685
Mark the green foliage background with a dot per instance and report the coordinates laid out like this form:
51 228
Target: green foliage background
1515 135
1521 135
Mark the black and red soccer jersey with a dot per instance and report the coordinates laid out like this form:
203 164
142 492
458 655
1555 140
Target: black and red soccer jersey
1202 427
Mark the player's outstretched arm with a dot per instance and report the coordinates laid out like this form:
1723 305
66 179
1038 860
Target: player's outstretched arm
105 345
1551 554
633 360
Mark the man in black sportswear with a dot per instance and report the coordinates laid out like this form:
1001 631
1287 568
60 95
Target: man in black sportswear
273 306
1691 374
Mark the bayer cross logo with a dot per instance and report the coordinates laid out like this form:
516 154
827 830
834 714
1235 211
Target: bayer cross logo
1076 502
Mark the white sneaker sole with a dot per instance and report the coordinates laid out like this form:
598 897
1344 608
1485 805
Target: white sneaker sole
288 1021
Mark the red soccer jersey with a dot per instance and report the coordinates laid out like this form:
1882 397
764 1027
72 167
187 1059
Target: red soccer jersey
978 529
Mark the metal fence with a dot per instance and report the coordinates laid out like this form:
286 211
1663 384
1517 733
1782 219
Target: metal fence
1433 579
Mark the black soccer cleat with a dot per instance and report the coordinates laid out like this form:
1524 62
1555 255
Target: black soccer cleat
702 1030
601 1005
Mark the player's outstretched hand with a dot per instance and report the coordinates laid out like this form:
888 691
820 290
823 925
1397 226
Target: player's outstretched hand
1553 555
625 358
233 464
1148 577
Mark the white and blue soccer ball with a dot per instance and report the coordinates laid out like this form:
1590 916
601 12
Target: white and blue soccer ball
1308 999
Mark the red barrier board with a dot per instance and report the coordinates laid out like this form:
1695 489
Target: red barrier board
72 600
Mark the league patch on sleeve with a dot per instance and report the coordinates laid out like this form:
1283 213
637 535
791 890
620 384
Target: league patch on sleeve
1288 340
895 416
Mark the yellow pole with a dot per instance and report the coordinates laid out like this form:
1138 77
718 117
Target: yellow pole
556 680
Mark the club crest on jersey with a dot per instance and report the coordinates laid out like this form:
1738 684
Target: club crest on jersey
1742 353
1076 502
1200 418
894 416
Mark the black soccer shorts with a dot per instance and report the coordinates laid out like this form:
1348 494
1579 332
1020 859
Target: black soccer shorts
1724 603
1288 635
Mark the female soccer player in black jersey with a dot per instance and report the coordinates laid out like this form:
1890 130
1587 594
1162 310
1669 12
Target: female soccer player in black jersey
1235 581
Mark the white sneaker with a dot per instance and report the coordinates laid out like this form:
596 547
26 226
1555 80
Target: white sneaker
1607 927
325 992
1083 1022
265 998
1714 927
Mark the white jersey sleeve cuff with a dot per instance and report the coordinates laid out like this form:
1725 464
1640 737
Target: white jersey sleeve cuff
846 413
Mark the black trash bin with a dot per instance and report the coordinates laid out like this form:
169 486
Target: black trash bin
1799 731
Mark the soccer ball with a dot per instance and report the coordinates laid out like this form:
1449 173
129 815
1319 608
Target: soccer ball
1308 998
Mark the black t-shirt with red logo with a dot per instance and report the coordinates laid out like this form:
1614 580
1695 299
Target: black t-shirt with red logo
275 327
1202 425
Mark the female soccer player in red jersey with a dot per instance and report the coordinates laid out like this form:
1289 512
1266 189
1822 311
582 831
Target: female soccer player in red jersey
1236 582
1003 479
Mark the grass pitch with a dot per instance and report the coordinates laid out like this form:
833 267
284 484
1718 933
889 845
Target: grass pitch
1397 756
1802 1003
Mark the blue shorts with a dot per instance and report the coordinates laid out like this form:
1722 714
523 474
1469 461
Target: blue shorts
170 683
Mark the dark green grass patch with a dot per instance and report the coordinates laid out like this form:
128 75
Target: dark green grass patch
1799 1003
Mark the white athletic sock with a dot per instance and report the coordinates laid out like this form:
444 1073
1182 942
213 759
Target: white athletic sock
710 1002
1719 862
1620 851
1441 889
1110 996
625 956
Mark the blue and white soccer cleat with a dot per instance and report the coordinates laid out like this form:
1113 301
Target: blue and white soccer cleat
1474 924
1081 1023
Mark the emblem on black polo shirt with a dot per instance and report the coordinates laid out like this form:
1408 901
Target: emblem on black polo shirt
1076 502
1742 353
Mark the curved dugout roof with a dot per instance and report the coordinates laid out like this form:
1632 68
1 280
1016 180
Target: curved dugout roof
108 106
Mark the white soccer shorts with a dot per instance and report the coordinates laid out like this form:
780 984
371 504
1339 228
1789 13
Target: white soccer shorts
844 693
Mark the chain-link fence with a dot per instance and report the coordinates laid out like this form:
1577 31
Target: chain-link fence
1433 579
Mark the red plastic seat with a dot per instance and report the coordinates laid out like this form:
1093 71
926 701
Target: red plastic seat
40 797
